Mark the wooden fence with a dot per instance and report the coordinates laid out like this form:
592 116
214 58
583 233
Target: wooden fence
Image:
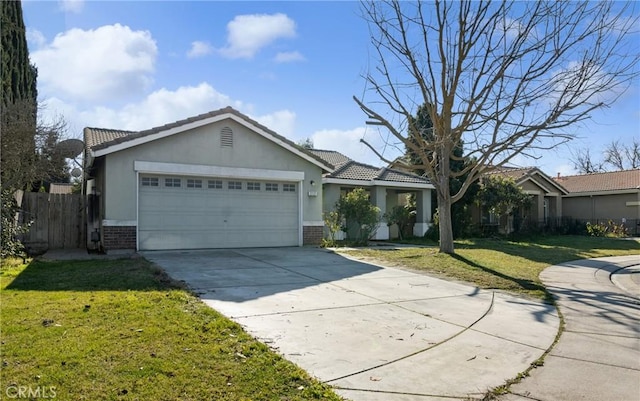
57 221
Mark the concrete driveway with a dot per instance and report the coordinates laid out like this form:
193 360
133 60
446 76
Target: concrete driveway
373 333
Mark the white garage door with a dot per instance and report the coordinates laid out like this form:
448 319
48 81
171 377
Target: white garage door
202 212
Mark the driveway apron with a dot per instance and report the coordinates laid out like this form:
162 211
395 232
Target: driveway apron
371 332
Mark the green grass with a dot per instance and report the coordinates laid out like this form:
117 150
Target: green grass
509 265
122 330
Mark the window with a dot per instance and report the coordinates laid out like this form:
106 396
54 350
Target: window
289 187
194 183
150 182
253 186
172 182
226 138
215 184
270 186
234 185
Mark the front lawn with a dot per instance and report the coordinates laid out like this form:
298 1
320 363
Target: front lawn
122 330
508 265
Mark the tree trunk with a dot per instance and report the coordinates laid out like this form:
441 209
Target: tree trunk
446 228
444 201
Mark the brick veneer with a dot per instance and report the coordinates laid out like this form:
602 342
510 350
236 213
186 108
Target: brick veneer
118 237
124 237
312 235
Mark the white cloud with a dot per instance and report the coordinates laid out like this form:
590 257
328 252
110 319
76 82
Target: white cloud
71 6
35 38
282 122
199 49
348 143
247 34
109 62
161 107
288 57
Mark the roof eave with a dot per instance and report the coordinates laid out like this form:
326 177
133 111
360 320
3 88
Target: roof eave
603 192
377 183
119 146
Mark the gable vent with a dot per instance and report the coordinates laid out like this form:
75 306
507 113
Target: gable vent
226 137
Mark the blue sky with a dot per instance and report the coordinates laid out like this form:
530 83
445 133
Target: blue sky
293 66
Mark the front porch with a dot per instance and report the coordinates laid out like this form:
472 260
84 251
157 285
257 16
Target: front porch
386 198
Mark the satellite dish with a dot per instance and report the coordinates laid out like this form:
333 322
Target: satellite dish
70 148
76 172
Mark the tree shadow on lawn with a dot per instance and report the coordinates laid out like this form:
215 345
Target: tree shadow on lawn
92 275
552 250
524 284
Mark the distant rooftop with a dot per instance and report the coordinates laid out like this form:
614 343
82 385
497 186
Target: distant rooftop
609 181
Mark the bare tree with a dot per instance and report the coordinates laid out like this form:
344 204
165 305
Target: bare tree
616 156
623 156
28 153
584 163
505 78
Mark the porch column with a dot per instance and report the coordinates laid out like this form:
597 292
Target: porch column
540 208
379 199
423 212
558 206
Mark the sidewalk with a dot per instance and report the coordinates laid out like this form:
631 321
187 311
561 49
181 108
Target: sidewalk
598 355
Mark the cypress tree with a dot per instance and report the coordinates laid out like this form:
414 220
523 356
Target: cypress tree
18 74
18 106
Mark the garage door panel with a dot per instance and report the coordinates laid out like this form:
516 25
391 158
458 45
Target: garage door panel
196 218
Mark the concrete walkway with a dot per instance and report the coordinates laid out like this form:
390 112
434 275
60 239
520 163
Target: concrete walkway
598 355
374 333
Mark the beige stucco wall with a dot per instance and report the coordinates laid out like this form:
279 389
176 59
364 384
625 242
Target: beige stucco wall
201 146
602 206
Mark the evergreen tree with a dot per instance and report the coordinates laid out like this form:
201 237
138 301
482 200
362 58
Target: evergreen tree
18 107
18 114
18 74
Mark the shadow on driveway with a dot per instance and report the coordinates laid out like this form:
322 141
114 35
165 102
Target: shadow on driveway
240 275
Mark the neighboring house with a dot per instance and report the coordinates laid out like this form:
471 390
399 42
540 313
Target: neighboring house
547 199
602 196
387 188
217 180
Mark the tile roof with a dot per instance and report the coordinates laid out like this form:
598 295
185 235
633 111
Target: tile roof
597 182
94 137
330 156
348 169
342 166
101 138
516 173
521 174
353 170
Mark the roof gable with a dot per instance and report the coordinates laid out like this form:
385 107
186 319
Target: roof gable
601 182
101 142
533 174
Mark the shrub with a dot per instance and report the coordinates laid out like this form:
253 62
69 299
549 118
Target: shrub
360 217
610 229
333 223
11 229
402 216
